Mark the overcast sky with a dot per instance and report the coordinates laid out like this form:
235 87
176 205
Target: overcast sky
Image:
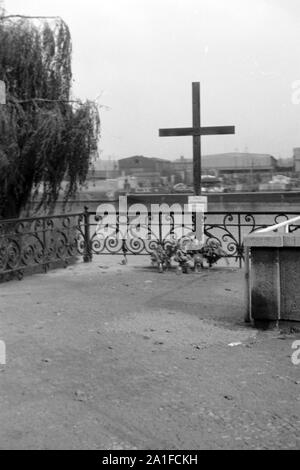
141 56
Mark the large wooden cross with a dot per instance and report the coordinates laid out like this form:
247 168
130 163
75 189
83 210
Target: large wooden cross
196 132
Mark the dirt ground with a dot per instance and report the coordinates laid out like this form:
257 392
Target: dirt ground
105 356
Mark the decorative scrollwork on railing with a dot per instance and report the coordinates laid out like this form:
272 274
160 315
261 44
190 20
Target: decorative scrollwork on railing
294 228
136 234
235 226
29 243
143 235
225 234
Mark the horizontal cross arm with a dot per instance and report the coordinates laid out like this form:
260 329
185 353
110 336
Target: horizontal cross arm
193 131
217 130
180 131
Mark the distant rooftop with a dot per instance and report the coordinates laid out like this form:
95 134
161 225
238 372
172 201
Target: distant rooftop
240 160
235 160
142 157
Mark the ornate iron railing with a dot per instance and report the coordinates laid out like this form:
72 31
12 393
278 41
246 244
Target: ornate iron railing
29 244
107 233
285 226
32 243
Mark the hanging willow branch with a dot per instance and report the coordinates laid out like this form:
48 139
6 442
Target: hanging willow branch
7 17
45 137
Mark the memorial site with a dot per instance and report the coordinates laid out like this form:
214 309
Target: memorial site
149 227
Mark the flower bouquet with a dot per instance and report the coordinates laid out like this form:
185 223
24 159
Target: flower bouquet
212 251
162 256
189 255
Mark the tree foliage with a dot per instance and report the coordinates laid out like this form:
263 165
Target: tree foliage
45 136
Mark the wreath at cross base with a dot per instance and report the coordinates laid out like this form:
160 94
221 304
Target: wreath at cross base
189 255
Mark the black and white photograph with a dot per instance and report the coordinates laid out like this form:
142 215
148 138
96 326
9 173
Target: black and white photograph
149 228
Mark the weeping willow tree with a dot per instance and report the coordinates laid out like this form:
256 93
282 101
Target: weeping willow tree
45 136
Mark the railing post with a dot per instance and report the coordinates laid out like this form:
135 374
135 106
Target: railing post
160 228
45 247
240 241
87 255
247 286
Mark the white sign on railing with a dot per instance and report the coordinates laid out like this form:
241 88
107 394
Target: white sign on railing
2 92
198 204
2 353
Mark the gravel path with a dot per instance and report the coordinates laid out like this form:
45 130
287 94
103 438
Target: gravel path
105 356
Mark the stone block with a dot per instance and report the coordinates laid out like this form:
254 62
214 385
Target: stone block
290 284
265 302
274 277
291 239
268 239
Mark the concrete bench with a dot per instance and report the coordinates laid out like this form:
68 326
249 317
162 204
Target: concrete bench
273 277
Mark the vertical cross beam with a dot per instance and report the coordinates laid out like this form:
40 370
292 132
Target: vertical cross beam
196 138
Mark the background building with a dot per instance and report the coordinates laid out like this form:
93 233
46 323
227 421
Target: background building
229 165
183 171
297 160
235 172
103 170
149 172
239 163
